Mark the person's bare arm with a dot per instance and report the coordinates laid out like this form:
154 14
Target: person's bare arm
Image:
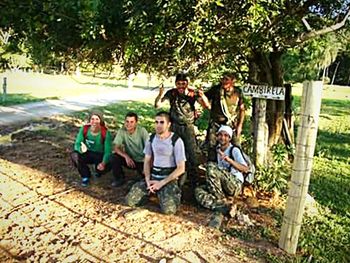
238 166
156 185
129 161
147 169
240 121
203 100
159 101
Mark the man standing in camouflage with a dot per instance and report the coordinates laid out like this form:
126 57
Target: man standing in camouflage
223 177
227 108
164 164
182 112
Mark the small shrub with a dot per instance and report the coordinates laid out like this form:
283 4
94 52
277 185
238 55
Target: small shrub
274 177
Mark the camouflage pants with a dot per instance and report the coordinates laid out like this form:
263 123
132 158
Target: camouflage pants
219 183
187 134
169 196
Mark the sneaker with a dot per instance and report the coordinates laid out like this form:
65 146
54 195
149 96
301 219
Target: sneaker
216 220
118 182
97 175
85 181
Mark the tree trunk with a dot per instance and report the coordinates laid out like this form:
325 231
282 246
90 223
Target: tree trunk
335 72
288 128
275 108
267 69
323 74
258 119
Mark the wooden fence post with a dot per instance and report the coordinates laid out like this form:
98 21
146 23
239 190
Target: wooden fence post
302 165
259 147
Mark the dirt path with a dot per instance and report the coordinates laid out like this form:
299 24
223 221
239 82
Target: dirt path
18 113
45 220
46 216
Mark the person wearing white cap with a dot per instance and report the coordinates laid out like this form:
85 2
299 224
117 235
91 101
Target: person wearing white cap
223 178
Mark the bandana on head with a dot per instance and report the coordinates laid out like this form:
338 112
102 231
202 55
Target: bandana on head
227 129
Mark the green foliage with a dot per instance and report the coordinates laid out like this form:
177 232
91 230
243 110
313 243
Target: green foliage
115 113
308 61
15 61
326 238
280 154
13 99
66 31
202 121
341 68
274 178
162 36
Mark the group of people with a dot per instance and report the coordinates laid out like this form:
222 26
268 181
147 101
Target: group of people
168 156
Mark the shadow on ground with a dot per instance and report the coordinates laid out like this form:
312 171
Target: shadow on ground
45 146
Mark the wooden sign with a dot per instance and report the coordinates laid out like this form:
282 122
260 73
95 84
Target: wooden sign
264 92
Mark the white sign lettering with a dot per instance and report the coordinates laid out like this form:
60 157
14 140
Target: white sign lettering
264 92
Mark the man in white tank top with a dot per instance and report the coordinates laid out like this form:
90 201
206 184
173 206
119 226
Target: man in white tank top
164 164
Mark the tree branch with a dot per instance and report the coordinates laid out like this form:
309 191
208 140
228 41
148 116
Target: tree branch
304 37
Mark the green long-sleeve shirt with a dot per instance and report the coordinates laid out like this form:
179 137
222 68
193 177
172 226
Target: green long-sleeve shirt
94 143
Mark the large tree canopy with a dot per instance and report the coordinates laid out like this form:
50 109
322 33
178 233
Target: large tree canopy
197 35
165 36
84 30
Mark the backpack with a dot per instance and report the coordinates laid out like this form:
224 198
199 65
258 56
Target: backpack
103 132
174 138
248 176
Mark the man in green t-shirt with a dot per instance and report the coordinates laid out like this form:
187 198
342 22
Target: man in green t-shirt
128 148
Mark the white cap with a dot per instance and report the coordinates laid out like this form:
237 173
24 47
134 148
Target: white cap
227 129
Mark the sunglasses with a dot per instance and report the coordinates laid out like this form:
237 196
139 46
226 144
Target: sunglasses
159 122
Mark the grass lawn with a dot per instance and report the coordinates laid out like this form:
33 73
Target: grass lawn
31 87
326 237
329 91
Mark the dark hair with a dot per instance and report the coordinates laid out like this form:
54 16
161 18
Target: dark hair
98 114
181 76
164 114
132 114
229 75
